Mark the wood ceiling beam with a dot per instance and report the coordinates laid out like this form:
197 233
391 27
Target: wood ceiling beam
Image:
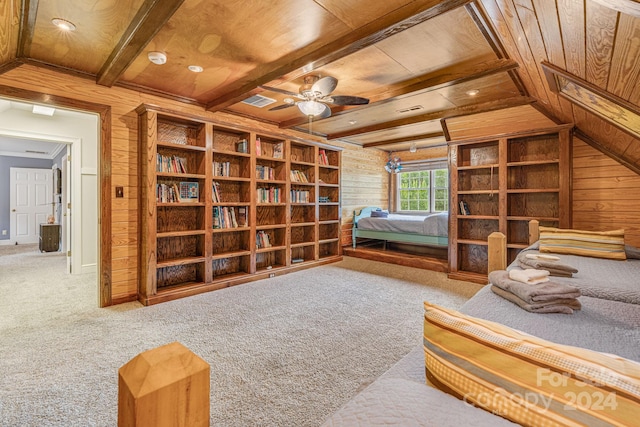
301 62
436 115
151 16
429 82
28 13
404 139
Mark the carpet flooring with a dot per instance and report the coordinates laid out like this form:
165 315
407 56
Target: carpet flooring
285 351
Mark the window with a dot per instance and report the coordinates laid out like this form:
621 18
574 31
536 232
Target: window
423 191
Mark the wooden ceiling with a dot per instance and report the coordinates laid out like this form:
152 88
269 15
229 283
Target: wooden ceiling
415 60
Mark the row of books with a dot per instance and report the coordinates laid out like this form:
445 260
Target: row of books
225 217
278 149
322 157
265 172
262 240
268 195
299 196
221 168
183 192
171 164
298 176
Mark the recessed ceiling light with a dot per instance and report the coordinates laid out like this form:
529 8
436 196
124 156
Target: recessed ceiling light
196 68
352 122
43 110
473 92
63 24
157 58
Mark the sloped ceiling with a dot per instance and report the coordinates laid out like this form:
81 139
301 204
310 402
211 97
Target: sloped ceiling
417 61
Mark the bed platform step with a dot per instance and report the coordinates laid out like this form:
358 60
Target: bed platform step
399 258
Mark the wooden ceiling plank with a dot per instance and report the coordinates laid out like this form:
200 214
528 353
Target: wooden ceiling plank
629 7
403 139
436 115
28 13
297 64
606 151
151 16
429 82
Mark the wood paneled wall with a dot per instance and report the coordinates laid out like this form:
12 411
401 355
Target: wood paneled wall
605 193
364 178
364 183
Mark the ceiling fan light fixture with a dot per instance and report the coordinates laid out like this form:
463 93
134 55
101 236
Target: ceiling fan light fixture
195 68
311 108
473 92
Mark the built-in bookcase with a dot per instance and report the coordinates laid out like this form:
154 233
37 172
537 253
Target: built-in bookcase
222 205
500 184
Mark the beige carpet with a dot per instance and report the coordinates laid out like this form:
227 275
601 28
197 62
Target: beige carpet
286 351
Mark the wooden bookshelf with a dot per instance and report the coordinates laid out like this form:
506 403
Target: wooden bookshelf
505 182
263 205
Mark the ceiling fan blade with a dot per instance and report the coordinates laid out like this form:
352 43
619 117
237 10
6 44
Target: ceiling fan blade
325 85
349 100
281 107
282 91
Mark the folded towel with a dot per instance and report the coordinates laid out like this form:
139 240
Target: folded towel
532 294
565 306
552 271
529 276
542 262
543 257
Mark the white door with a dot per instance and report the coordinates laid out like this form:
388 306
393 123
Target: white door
30 201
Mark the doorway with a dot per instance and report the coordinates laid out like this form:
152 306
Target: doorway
87 181
30 203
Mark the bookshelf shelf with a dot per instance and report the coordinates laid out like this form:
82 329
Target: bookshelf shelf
256 203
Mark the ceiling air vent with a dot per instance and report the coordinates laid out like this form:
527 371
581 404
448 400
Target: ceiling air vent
259 101
410 109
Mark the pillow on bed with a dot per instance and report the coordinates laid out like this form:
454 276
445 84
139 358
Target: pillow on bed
598 244
526 379
379 214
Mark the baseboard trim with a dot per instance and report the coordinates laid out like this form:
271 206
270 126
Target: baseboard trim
7 242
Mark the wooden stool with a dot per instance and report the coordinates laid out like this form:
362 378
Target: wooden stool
165 386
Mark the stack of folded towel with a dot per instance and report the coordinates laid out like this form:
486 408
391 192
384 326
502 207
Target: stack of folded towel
533 291
545 262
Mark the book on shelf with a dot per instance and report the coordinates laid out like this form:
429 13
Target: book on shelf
221 168
278 150
322 157
216 192
464 208
171 164
242 146
242 216
262 240
300 196
265 172
189 192
258 147
167 193
224 217
268 195
298 176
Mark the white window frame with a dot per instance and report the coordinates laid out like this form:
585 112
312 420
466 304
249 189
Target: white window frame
432 192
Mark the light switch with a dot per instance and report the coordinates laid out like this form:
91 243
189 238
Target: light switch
119 191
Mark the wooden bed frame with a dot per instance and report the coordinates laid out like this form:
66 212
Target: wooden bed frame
389 236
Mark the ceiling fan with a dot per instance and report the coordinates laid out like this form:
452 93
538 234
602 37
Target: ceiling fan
314 95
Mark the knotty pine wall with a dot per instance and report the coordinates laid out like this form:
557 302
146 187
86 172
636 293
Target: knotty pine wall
606 195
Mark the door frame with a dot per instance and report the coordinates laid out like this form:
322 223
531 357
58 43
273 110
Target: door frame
104 174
